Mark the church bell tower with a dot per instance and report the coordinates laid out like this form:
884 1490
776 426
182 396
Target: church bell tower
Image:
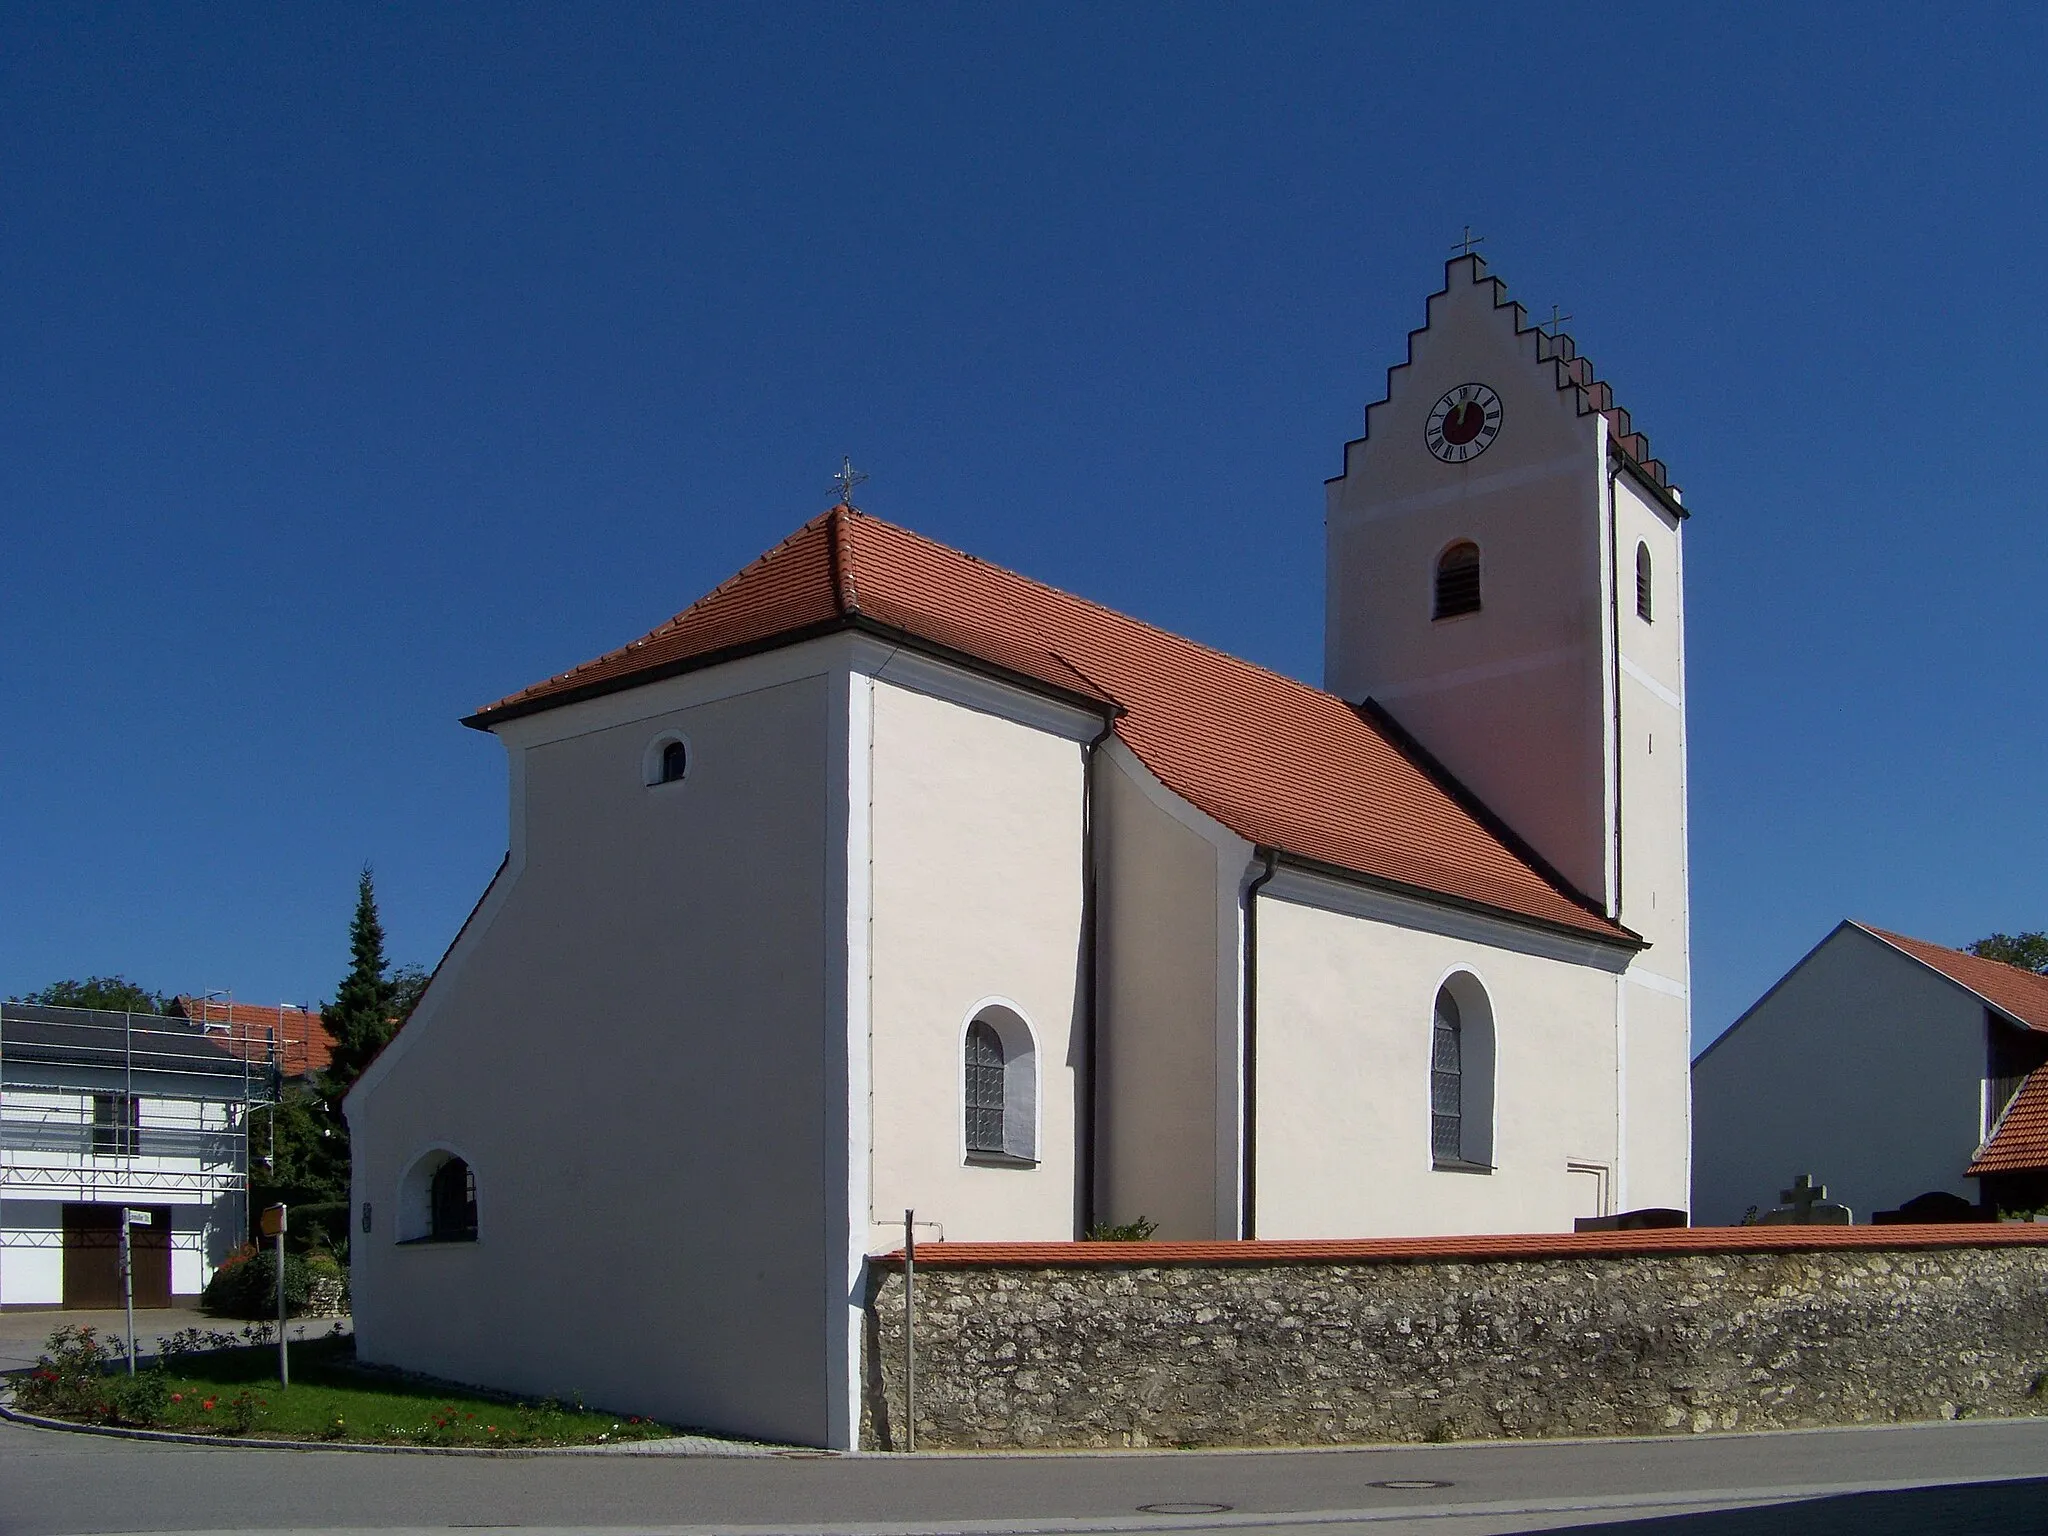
1506 580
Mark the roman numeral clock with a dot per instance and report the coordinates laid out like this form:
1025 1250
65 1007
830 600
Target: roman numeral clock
1463 424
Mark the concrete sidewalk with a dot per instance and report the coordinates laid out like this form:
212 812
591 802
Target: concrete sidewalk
24 1333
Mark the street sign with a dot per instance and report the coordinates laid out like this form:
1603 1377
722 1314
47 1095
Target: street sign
140 1218
273 1221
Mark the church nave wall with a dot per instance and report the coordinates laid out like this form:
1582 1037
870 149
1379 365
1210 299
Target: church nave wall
1345 1011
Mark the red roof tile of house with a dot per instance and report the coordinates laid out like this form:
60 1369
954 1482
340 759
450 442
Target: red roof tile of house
2020 993
1283 765
247 1029
1651 1243
2019 1142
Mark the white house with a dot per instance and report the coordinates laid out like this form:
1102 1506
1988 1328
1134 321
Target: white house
882 877
101 1111
1887 1068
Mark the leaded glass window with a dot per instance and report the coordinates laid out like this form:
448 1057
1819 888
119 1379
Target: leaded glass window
1447 1083
985 1088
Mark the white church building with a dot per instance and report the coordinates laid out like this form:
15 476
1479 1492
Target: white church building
882 877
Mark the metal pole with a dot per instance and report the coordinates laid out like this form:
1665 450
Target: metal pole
284 1359
910 1330
128 1284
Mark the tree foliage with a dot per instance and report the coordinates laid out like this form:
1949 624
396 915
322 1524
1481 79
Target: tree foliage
115 992
2028 951
362 1017
301 1158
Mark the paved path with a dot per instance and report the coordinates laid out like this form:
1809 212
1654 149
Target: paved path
23 1334
1906 1481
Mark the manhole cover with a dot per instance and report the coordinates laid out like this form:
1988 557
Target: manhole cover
1182 1509
1409 1482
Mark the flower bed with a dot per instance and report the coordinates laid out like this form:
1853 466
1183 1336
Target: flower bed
209 1382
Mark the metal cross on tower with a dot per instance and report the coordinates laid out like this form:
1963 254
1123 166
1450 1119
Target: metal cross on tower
1551 326
847 478
1464 246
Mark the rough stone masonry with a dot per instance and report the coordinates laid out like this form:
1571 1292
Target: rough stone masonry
1111 1354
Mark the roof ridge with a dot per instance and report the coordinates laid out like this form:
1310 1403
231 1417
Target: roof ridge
1115 613
843 590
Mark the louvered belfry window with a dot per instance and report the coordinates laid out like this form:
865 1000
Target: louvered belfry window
1457 581
1643 582
1447 1083
985 1088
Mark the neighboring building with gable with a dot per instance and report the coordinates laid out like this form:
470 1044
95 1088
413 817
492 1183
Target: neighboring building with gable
882 877
1886 1067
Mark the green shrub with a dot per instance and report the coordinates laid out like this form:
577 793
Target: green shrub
246 1286
1139 1231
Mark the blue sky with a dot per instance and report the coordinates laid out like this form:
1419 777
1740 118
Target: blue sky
365 365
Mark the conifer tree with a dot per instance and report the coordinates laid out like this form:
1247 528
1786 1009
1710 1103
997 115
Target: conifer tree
361 1016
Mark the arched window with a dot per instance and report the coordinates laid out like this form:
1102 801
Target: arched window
453 1203
1461 1076
1643 582
999 1088
667 760
436 1200
1447 1082
1457 581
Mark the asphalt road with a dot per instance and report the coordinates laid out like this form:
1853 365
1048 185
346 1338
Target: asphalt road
1988 1476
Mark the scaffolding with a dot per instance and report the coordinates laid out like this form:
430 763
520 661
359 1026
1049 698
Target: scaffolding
73 1083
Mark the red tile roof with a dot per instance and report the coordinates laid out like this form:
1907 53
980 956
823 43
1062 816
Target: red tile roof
1283 765
2019 1142
247 1029
1651 1243
2022 994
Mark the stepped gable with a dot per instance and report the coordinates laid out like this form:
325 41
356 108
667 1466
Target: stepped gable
1573 371
1283 765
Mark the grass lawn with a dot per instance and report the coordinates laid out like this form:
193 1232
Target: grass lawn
235 1392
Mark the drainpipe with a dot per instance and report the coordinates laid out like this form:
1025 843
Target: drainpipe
1090 945
1248 1112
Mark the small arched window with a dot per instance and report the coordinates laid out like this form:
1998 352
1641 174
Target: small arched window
667 760
436 1200
1643 582
453 1203
1461 1069
999 1089
1457 581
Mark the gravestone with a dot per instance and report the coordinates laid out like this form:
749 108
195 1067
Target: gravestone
1806 1205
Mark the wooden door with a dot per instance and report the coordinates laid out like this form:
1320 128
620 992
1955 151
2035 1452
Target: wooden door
92 1257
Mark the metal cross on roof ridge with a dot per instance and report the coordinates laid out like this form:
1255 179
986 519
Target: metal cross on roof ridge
1551 326
1464 246
847 478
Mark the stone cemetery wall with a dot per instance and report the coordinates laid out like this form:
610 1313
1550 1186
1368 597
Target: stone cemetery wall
1111 1345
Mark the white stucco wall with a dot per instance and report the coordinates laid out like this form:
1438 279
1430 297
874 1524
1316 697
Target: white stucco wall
1171 979
976 899
1343 1098
631 1044
1861 1067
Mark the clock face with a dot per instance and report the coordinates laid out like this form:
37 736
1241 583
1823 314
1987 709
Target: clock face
1463 424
